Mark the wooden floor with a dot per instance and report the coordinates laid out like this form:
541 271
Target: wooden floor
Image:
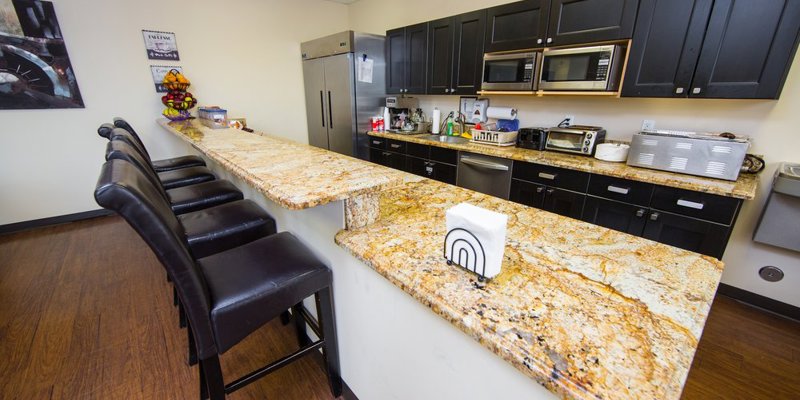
86 314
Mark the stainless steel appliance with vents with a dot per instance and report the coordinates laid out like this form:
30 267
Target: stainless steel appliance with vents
702 154
779 224
511 71
344 86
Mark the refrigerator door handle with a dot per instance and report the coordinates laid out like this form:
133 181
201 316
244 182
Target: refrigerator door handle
322 107
330 111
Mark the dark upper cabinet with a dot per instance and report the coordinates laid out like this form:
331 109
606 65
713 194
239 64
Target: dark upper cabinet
748 49
455 51
587 21
406 59
396 60
738 49
514 26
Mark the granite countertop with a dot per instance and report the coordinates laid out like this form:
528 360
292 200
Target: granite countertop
294 175
586 311
744 188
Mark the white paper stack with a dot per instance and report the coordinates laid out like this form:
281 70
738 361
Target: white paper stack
476 239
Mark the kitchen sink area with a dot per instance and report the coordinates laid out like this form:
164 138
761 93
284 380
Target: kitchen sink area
443 138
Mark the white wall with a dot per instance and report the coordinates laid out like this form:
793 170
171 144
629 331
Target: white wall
771 124
239 54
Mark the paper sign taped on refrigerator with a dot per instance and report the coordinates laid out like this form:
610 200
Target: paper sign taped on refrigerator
364 67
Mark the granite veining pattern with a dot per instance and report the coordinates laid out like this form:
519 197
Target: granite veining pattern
588 312
744 188
294 175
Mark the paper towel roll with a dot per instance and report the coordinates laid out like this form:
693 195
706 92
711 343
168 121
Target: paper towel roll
501 113
437 117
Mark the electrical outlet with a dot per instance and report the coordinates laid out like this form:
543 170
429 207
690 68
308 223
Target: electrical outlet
569 120
648 125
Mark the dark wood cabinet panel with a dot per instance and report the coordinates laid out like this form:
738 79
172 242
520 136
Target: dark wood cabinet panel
395 160
468 52
416 56
447 156
440 55
418 150
551 176
378 156
628 218
666 46
704 206
395 60
687 233
529 194
514 26
619 189
564 202
748 49
587 21
443 172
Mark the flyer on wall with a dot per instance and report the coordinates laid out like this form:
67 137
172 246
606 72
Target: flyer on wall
158 72
161 45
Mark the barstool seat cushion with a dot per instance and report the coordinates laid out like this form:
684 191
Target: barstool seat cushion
185 176
202 195
252 284
170 164
226 226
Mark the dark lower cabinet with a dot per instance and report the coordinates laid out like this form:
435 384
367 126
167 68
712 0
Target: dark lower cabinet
614 215
387 158
687 233
558 201
431 169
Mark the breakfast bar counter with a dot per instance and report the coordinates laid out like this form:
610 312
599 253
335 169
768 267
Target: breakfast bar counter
582 311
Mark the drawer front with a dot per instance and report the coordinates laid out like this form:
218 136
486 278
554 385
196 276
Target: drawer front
551 176
377 142
396 146
444 155
418 150
527 193
695 204
443 172
619 189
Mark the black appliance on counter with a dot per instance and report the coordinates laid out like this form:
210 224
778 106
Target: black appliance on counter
532 138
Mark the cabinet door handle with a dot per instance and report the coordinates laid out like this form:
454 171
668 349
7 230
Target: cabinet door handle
617 189
551 191
640 213
322 107
386 153
376 142
330 111
484 164
690 204
538 41
395 146
654 216
540 189
680 90
549 40
545 175
696 90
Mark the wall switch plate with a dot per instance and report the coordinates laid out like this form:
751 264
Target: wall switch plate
648 125
569 120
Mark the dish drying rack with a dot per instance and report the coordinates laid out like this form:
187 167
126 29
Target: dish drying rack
494 138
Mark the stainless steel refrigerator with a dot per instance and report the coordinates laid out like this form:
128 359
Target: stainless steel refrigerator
345 87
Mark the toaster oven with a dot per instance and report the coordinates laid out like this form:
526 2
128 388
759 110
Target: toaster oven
576 139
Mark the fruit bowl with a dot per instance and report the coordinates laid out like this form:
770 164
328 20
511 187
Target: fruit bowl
182 115
176 85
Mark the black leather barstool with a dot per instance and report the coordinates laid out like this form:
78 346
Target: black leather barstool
159 165
230 294
184 199
169 179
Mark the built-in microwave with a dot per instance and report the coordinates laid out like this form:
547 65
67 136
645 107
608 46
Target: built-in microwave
583 68
511 71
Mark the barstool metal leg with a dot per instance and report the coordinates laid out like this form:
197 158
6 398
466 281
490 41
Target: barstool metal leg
330 349
212 373
300 325
192 347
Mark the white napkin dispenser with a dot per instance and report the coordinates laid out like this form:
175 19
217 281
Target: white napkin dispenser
476 239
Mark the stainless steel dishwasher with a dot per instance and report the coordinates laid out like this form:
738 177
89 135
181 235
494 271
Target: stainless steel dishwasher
485 174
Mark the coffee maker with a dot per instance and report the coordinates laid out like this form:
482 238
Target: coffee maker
400 110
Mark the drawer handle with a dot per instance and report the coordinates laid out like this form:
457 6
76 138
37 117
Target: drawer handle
690 204
654 216
544 175
386 153
376 142
616 189
540 189
640 213
395 146
484 164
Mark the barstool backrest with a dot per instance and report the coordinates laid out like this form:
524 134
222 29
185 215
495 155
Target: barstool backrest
119 149
123 188
121 123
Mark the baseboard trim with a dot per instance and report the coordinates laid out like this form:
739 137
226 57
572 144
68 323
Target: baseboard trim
757 300
61 219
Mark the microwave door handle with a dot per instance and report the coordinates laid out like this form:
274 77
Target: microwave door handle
484 164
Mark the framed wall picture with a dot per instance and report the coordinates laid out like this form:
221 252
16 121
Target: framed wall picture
35 70
161 45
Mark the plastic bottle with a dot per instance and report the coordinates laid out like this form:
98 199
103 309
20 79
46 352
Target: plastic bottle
450 125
